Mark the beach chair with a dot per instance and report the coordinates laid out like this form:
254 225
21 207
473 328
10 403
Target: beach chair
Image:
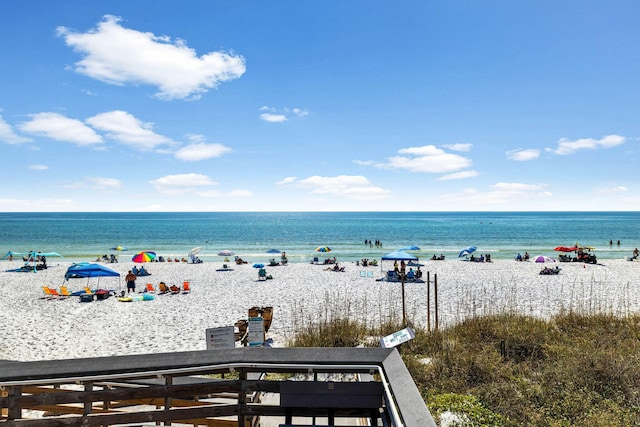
163 288
369 273
186 287
262 274
174 289
87 290
150 288
363 273
50 293
64 292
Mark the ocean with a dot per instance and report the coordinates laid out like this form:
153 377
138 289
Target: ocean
86 236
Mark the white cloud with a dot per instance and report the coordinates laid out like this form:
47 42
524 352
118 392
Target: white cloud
273 118
60 128
459 175
194 184
125 128
566 147
523 155
287 180
344 186
201 151
613 190
459 147
117 55
97 183
502 193
272 115
9 136
427 159
38 167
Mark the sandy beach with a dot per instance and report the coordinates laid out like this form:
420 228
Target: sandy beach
37 329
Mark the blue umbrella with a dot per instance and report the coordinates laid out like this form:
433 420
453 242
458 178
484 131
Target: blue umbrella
410 248
258 265
467 251
273 251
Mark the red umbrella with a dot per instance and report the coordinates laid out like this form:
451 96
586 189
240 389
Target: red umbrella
565 249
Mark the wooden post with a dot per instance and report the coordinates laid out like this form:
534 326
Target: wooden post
404 311
435 297
428 302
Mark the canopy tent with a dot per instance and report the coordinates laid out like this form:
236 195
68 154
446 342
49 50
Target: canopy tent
29 254
399 255
85 269
31 258
89 270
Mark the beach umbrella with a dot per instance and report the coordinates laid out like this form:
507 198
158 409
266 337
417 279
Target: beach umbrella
273 251
118 248
410 248
195 251
226 253
258 265
144 256
543 258
467 251
323 249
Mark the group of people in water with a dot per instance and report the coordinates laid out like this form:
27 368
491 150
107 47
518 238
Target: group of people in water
377 243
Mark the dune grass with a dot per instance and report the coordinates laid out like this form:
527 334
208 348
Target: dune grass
513 370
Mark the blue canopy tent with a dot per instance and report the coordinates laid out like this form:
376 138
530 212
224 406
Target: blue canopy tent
31 258
89 270
399 255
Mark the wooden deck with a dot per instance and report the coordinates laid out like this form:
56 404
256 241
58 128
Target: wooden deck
219 388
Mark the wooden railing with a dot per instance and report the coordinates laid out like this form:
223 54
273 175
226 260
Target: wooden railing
222 388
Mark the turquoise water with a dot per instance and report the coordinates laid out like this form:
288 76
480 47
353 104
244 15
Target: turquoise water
85 236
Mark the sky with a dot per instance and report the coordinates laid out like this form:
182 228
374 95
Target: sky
141 106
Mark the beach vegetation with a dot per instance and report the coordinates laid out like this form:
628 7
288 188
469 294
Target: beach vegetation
572 369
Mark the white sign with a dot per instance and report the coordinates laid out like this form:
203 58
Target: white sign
397 338
222 337
255 331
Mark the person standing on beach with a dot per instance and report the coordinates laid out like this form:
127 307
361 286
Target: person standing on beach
131 282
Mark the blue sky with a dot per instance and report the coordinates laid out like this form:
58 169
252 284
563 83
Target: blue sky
319 105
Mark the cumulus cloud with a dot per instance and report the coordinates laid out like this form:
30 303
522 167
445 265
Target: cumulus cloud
427 159
523 155
117 55
273 115
127 129
345 186
9 136
201 151
566 147
61 128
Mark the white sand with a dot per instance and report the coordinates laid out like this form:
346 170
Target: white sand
38 329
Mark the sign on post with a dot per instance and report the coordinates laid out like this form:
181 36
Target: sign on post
255 331
222 337
397 338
